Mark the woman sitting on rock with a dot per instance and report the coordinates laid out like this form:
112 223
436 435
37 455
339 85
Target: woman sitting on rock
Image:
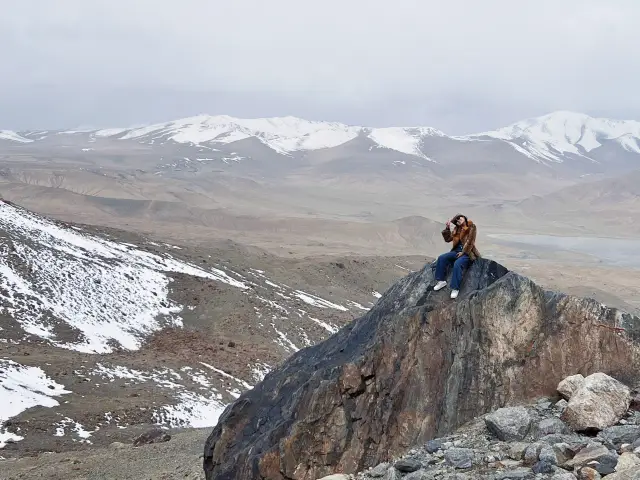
463 252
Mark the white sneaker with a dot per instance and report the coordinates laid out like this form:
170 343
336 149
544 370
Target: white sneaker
440 285
454 293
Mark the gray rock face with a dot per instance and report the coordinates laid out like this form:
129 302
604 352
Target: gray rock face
600 402
509 424
414 367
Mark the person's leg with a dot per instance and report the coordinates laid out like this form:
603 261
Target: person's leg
442 263
458 267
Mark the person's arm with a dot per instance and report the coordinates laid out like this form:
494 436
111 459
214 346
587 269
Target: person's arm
446 233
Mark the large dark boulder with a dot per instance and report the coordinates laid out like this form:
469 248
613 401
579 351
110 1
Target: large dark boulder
415 367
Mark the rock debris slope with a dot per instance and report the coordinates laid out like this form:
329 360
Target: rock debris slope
417 366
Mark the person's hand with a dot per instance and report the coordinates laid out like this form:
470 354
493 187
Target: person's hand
448 223
459 254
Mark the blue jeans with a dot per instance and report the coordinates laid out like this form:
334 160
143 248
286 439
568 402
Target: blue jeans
459 264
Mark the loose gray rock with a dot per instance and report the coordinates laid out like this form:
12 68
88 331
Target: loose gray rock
407 465
432 446
587 473
561 405
459 457
532 452
563 476
605 464
591 453
600 402
392 474
378 471
418 475
627 461
548 455
563 452
517 474
543 467
509 424
569 385
516 450
619 434
550 426
154 435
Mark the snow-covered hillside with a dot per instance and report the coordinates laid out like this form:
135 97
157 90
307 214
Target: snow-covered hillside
550 137
103 291
13 137
67 290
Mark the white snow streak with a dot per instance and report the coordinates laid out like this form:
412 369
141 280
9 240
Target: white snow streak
22 388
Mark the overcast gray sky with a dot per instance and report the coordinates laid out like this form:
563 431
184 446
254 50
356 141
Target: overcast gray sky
460 66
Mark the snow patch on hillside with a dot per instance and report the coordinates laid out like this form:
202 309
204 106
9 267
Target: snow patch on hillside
21 388
54 278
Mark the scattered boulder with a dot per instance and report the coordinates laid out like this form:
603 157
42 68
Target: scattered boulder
568 386
509 424
459 457
600 402
516 474
418 475
591 453
516 450
378 471
587 473
155 435
338 476
630 474
432 446
548 455
117 445
408 465
561 405
619 434
628 461
532 453
543 466
552 425
563 476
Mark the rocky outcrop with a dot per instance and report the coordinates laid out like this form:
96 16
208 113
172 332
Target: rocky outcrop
415 367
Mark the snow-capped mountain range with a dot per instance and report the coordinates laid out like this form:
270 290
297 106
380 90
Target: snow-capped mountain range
547 139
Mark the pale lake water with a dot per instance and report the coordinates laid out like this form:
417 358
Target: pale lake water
616 252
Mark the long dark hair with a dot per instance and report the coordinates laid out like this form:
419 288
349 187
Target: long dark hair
454 220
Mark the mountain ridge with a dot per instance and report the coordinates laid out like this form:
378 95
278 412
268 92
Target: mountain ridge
548 139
